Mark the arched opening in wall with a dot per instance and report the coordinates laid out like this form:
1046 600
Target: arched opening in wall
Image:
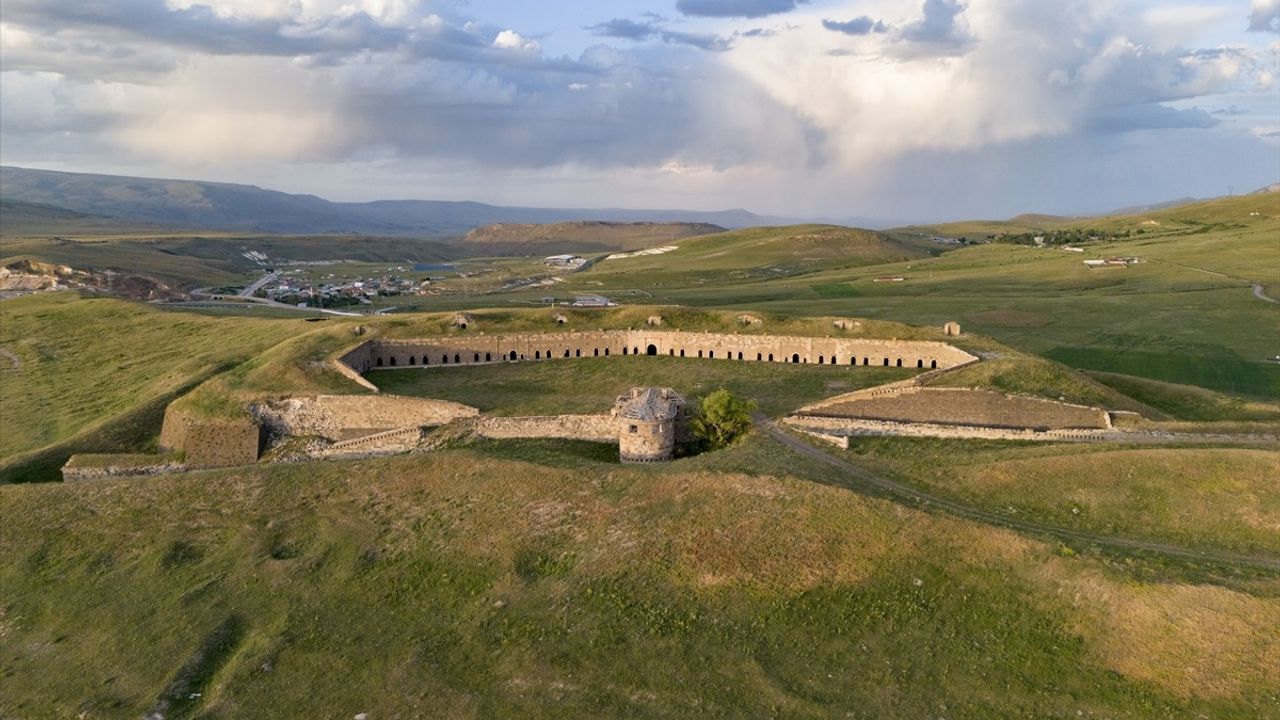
566 353
699 353
462 326
577 353
635 351
822 360
624 349
920 363
711 354
739 354
866 361
672 352
413 360
488 357
770 357
512 356
795 358
379 362
537 354
606 352
444 359
651 350
886 362
899 362
426 359
476 358
457 358
681 352
933 364
393 360
760 357
853 360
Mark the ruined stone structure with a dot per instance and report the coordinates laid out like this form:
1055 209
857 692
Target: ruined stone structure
210 442
345 417
384 354
647 419
951 329
960 407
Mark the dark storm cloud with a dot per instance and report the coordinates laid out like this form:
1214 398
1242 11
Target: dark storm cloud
858 26
938 31
1265 16
737 8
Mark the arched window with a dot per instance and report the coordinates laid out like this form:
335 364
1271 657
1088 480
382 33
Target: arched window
920 363
597 352
537 354
457 358
822 360
566 352
761 357
699 353
426 360
899 362
651 350
476 358
795 358
933 364
711 354
886 362
606 352
444 359
577 353
624 349
739 354
770 357
672 352
512 356
681 352
853 360
635 351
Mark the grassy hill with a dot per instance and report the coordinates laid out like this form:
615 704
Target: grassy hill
577 237
462 585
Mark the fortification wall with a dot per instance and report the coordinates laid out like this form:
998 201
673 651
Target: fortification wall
852 427
339 417
208 443
961 406
640 441
595 428
355 363
482 349
80 468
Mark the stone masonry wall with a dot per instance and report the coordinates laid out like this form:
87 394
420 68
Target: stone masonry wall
481 349
211 443
595 428
854 427
340 417
961 406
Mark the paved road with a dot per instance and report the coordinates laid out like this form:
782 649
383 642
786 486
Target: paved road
901 492
249 291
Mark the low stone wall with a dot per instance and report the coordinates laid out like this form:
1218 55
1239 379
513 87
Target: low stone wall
961 406
595 428
852 427
99 467
339 417
214 442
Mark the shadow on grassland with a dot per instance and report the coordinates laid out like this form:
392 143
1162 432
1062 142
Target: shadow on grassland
1214 368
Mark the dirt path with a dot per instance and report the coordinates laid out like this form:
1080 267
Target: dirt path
1261 293
861 479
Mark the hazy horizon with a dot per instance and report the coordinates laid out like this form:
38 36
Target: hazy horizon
896 110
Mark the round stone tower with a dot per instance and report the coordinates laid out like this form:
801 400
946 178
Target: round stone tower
646 420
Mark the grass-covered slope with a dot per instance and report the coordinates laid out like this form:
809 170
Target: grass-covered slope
506 238
83 363
457 585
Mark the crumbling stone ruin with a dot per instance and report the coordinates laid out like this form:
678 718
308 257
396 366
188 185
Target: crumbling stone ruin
647 423
951 329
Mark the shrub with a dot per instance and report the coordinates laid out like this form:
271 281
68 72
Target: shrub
723 418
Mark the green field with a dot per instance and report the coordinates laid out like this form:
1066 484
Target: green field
458 585
591 385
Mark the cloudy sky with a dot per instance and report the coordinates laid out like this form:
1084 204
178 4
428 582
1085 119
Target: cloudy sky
893 109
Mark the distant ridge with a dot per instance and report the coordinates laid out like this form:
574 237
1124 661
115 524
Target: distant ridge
229 206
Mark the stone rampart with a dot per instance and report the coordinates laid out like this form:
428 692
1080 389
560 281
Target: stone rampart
342 417
853 427
962 406
481 349
211 442
100 467
595 428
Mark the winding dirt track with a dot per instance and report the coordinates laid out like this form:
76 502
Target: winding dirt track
898 491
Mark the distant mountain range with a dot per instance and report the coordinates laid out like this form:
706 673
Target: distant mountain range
228 206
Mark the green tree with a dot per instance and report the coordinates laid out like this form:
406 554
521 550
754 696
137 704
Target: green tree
723 419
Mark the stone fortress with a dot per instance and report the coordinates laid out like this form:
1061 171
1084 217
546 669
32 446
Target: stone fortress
647 424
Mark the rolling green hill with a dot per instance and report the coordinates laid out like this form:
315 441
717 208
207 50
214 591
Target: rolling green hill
577 237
